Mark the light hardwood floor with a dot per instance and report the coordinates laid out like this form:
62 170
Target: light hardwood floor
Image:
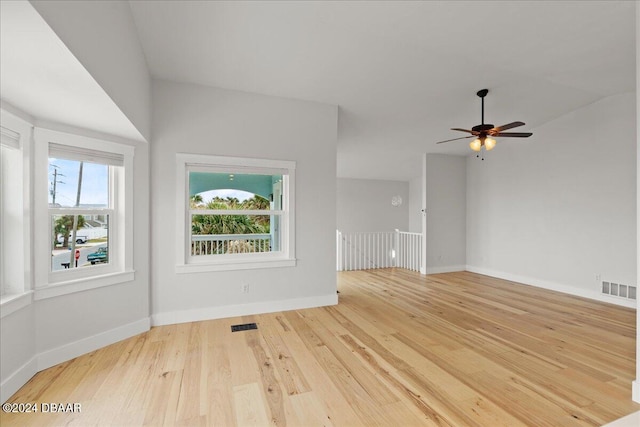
400 349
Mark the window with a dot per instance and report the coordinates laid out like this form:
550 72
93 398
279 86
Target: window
11 212
84 197
234 213
81 204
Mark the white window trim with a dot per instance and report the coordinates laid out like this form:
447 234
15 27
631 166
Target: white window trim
120 268
187 264
21 295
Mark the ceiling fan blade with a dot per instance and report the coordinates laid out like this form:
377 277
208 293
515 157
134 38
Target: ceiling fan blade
514 134
465 130
455 139
499 129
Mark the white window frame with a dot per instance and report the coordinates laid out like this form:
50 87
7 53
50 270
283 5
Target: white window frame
15 265
120 267
285 257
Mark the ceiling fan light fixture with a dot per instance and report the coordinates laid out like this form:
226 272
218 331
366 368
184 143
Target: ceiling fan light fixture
476 145
489 143
484 131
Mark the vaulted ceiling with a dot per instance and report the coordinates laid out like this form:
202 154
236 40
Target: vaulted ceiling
402 73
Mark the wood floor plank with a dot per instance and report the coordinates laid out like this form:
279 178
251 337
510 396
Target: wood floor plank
330 337
337 409
358 398
484 412
250 408
218 398
307 407
293 378
400 349
271 386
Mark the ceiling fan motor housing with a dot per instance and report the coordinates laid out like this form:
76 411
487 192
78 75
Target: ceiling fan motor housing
482 128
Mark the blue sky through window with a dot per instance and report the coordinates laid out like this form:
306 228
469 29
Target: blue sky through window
207 196
95 183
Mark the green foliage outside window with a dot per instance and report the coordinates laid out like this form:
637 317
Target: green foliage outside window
230 224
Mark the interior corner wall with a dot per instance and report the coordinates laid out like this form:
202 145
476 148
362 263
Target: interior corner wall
365 205
103 37
446 187
17 351
558 210
415 205
204 120
636 383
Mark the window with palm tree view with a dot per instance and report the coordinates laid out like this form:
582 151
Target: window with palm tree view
80 210
235 212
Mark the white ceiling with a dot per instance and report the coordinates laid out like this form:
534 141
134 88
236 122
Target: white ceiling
402 73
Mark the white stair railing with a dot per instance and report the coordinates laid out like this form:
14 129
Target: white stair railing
378 249
408 250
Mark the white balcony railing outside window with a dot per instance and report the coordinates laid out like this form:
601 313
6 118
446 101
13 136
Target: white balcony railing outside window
219 244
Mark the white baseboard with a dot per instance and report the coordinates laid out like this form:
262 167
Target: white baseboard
445 269
69 351
635 390
209 313
66 352
571 290
17 379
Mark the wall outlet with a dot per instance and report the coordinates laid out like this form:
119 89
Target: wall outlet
245 288
598 278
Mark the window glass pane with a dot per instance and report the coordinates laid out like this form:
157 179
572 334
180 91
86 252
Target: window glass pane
226 234
3 241
11 221
235 191
66 184
91 244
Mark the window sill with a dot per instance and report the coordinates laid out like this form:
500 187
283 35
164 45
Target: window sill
83 284
234 265
12 303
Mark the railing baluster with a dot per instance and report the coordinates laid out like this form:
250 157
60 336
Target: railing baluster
370 250
359 265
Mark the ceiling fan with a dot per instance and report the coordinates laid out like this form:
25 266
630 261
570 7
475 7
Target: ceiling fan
485 133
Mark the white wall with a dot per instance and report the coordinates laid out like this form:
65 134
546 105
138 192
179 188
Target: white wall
446 213
559 208
365 205
204 120
17 350
103 37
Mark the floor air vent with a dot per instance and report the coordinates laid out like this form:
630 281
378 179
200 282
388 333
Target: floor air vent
619 290
243 327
